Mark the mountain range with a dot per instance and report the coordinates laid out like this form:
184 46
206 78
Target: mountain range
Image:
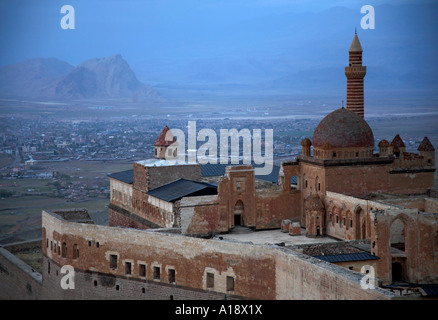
50 78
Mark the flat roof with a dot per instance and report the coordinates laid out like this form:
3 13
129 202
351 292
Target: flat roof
218 169
271 237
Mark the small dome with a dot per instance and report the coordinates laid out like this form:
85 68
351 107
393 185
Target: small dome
306 142
383 144
343 128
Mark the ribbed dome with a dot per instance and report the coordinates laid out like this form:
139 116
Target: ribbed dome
343 128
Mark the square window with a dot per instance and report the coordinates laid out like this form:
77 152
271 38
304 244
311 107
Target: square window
128 267
210 280
171 273
113 261
157 273
142 270
230 283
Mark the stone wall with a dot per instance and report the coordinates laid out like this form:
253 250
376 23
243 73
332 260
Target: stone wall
236 269
18 281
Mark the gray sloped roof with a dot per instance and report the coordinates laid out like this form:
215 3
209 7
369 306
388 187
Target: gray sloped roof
124 176
180 188
215 170
345 257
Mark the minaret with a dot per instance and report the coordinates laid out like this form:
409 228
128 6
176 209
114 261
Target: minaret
355 73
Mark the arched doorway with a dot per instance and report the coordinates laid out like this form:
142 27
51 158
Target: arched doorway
239 208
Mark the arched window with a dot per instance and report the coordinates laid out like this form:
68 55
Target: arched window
398 234
64 250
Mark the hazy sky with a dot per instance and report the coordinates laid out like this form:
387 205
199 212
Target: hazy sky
31 28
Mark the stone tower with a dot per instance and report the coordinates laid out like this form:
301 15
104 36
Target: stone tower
355 73
166 146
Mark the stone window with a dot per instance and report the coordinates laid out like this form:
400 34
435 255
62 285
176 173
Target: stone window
157 273
171 273
75 251
334 154
293 182
230 283
210 280
95 283
117 287
113 261
435 242
142 270
64 250
128 267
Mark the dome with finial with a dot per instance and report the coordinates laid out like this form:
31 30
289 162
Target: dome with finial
343 128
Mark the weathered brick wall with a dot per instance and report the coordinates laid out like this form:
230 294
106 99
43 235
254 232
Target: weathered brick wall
121 194
90 285
162 175
272 208
420 264
410 182
18 281
356 214
119 217
200 216
300 277
259 272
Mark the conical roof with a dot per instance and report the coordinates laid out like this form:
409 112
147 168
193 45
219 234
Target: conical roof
397 142
161 140
355 45
426 145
